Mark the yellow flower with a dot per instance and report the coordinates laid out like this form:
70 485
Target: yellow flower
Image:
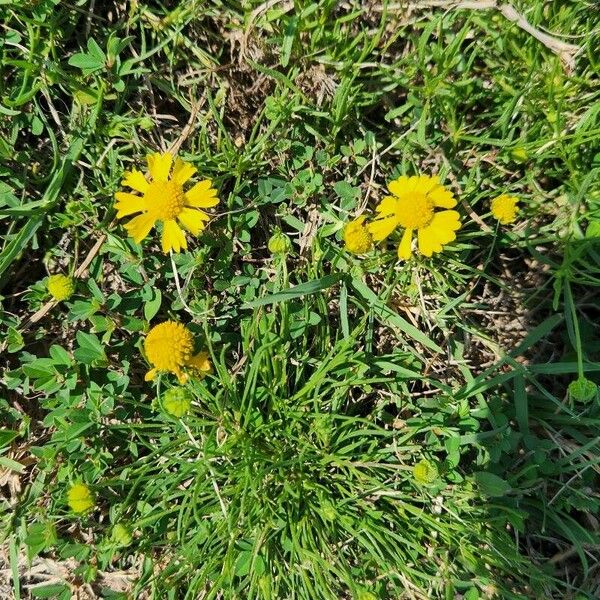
357 238
80 498
60 287
411 206
169 347
164 199
504 208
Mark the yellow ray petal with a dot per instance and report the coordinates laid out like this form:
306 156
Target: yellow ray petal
443 235
159 165
428 242
381 228
202 195
442 197
404 249
398 186
127 204
139 227
135 180
447 219
201 362
193 220
412 182
182 171
172 237
387 206
426 183
150 375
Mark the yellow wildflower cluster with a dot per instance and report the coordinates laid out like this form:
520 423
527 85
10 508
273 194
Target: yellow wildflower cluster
418 205
411 206
161 199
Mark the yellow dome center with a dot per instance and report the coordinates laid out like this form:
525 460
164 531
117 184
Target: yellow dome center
414 210
165 199
169 346
357 237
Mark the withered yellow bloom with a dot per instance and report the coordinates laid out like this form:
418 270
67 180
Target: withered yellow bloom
357 238
412 205
169 348
504 208
164 200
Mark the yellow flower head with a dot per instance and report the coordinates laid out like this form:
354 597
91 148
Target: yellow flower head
357 238
60 287
504 208
169 347
177 401
80 498
164 199
412 206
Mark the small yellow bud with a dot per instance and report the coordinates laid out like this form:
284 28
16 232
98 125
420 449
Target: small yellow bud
60 287
121 535
80 498
279 243
425 472
177 401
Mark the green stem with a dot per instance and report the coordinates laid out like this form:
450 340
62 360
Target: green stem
575 322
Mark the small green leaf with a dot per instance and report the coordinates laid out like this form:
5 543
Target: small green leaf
7 436
55 590
40 536
346 192
90 349
151 307
14 339
593 230
95 50
86 62
491 485
59 355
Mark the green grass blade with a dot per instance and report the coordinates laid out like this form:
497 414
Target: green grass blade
303 289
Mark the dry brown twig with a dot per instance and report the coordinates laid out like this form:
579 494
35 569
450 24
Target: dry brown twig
189 126
566 52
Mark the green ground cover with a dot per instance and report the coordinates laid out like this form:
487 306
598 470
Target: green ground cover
370 427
